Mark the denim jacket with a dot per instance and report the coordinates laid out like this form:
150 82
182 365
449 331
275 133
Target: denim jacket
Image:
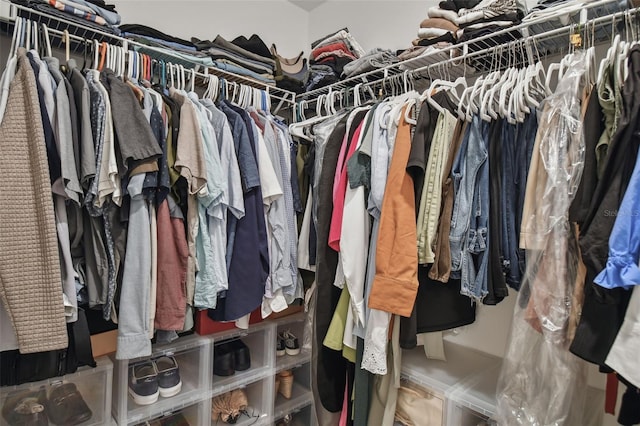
468 236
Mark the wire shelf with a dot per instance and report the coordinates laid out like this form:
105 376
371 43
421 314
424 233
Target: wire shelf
81 33
536 38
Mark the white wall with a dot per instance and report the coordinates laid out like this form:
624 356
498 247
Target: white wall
275 21
386 24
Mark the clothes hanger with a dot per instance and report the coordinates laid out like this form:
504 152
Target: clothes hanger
112 52
129 71
134 64
105 57
223 89
256 97
35 36
248 96
28 34
468 114
170 69
504 91
427 96
356 95
520 107
215 91
117 50
245 98
22 37
207 91
115 59
162 71
606 62
251 99
15 38
623 53
267 100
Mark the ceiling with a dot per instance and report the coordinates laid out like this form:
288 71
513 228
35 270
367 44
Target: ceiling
307 5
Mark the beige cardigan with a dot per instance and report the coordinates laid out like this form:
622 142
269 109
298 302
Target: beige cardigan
30 280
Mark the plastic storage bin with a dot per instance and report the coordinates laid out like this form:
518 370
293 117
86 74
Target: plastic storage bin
260 403
260 340
93 386
304 416
301 395
193 355
196 414
294 324
473 401
441 378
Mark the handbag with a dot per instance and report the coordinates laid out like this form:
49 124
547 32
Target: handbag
229 406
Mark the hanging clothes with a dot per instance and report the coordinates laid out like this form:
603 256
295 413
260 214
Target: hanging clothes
31 292
538 333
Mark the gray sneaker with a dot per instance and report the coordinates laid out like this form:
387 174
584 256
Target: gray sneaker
143 382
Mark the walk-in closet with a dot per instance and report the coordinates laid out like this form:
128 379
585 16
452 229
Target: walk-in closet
319 213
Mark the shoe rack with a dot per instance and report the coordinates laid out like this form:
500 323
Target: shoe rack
267 405
299 407
196 355
81 398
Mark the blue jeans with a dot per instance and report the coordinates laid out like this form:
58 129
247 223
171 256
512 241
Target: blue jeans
525 140
510 228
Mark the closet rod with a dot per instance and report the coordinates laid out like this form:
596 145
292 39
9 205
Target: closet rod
284 96
601 8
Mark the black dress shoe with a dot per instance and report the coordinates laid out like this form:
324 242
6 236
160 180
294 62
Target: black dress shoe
66 406
241 355
27 408
223 360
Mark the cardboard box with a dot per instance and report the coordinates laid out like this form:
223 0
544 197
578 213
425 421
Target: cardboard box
104 343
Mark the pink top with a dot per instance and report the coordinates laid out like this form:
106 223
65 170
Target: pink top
340 189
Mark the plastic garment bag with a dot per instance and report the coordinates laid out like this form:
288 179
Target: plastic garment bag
541 382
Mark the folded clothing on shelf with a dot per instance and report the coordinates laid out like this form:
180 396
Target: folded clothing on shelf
221 43
319 76
253 44
375 59
439 23
334 51
344 36
482 12
447 39
86 21
290 72
487 9
232 57
158 36
86 10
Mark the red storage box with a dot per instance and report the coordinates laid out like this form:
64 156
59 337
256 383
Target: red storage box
205 325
